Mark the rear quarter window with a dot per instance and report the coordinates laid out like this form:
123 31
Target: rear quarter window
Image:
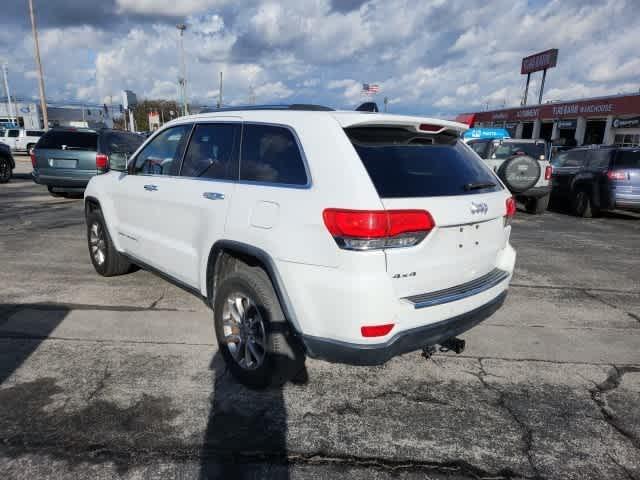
405 164
68 140
628 159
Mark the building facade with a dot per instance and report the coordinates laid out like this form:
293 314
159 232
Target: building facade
28 115
612 120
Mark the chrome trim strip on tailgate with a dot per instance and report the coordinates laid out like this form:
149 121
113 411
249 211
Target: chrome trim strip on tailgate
459 292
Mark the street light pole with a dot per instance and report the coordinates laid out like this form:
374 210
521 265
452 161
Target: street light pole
43 99
12 114
183 69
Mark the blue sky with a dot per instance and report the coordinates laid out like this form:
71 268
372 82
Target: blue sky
433 57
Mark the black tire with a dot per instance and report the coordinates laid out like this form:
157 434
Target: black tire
113 263
283 357
581 204
519 173
537 206
5 170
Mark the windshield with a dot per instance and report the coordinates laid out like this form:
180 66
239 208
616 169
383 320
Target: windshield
506 150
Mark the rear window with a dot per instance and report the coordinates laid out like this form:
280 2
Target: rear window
69 140
506 150
120 142
628 159
405 164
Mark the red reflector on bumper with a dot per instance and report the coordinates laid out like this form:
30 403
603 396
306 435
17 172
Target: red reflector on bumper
376 330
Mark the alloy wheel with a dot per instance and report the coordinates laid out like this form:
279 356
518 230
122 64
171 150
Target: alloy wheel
244 331
97 243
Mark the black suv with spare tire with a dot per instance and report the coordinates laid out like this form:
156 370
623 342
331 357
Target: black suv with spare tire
523 165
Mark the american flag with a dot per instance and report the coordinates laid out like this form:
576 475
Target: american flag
370 88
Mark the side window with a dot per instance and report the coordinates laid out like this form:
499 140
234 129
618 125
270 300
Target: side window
162 156
213 152
599 159
14 133
271 154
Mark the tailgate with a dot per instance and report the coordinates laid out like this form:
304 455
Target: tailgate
464 245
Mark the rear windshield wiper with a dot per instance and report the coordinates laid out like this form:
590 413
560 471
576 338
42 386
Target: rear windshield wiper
478 185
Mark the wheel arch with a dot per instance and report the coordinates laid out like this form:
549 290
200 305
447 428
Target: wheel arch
252 256
91 204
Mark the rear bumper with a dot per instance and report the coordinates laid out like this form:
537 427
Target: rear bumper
71 180
404 342
536 192
627 201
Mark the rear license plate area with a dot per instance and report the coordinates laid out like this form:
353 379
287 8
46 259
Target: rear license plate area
62 163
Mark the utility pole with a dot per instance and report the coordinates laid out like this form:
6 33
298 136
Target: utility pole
386 103
252 95
43 98
182 80
13 116
220 92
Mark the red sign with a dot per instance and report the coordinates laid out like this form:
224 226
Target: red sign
599 108
539 61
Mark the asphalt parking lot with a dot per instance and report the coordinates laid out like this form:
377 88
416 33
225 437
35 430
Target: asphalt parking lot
119 377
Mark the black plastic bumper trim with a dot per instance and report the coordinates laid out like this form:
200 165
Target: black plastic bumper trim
404 342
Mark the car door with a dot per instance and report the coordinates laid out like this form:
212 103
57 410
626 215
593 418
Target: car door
143 221
12 138
182 214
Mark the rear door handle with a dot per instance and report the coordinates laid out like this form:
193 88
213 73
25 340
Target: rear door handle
213 195
151 188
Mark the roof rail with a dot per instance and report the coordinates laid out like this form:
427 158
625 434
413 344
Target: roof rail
294 106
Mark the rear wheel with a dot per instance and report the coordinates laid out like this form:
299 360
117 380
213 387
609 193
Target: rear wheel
582 204
5 170
253 335
107 261
537 205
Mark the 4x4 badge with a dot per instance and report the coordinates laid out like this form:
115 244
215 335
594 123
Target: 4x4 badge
479 208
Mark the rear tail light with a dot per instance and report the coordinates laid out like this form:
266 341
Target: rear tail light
511 211
375 229
33 158
616 175
376 330
102 162
547 172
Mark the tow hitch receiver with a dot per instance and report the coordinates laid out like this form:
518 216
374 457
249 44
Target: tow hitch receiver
453 344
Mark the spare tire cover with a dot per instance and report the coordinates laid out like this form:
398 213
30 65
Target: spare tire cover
519 173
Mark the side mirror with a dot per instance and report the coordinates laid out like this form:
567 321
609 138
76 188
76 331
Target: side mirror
118 161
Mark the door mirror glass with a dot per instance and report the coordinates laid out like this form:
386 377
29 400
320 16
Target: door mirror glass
118 161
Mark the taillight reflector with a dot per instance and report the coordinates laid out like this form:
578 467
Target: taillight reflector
547 172
511 207
376 330
102 161
373 229
616 175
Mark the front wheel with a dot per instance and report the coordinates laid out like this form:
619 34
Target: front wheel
253 334
106 260
5 170
537 206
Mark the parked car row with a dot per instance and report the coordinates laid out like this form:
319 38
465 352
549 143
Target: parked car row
588 180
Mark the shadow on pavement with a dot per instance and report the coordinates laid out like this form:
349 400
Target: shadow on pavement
18 340
246 435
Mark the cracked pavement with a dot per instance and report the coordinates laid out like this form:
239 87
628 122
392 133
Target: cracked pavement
120 377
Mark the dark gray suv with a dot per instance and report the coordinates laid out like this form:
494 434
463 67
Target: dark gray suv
65 159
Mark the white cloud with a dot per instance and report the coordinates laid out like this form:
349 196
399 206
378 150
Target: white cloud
172 8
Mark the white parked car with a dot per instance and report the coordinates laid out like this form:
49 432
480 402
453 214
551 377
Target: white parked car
347 236
20 139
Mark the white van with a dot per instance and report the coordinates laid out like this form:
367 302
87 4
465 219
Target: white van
20 139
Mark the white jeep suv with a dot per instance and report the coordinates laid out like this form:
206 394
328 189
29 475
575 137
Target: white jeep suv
347 236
